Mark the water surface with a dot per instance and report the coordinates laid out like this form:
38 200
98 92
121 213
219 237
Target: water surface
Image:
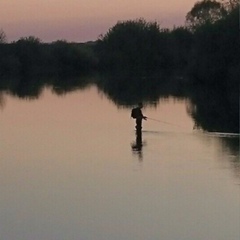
71 167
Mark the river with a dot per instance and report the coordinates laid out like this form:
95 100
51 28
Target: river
72 167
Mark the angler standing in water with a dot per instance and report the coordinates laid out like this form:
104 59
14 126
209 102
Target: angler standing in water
137 114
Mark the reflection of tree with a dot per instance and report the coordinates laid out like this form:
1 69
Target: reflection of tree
62 86
31 87
231 145
129 90
27 88
215 111
2 100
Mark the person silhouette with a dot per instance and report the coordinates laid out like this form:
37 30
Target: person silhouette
138 115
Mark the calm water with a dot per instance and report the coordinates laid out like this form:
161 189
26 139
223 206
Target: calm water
71 168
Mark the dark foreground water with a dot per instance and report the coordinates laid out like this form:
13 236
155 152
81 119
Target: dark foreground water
72 168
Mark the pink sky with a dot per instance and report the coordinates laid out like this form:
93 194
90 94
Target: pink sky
83 20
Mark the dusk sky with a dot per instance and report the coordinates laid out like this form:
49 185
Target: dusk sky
83 20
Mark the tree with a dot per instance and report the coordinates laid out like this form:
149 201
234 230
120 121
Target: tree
206 11
230 5
181 40
3 37
215 55
28 52
29 40
132 46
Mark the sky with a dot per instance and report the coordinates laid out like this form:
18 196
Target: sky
83 20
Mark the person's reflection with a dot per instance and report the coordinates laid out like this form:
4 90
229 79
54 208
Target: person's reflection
137 145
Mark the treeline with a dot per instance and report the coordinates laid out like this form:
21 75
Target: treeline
205 48
30 57
141 48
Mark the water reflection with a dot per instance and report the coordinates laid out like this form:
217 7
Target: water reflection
215 110
129 90
100 188
62 86
231 144
32 87
137 145
28 88
2 100
211 109
230 147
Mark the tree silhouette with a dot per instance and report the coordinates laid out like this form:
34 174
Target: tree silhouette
132 46
3 37
229 5
206 11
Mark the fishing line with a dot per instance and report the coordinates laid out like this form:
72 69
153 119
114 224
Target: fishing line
216 134
157 120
